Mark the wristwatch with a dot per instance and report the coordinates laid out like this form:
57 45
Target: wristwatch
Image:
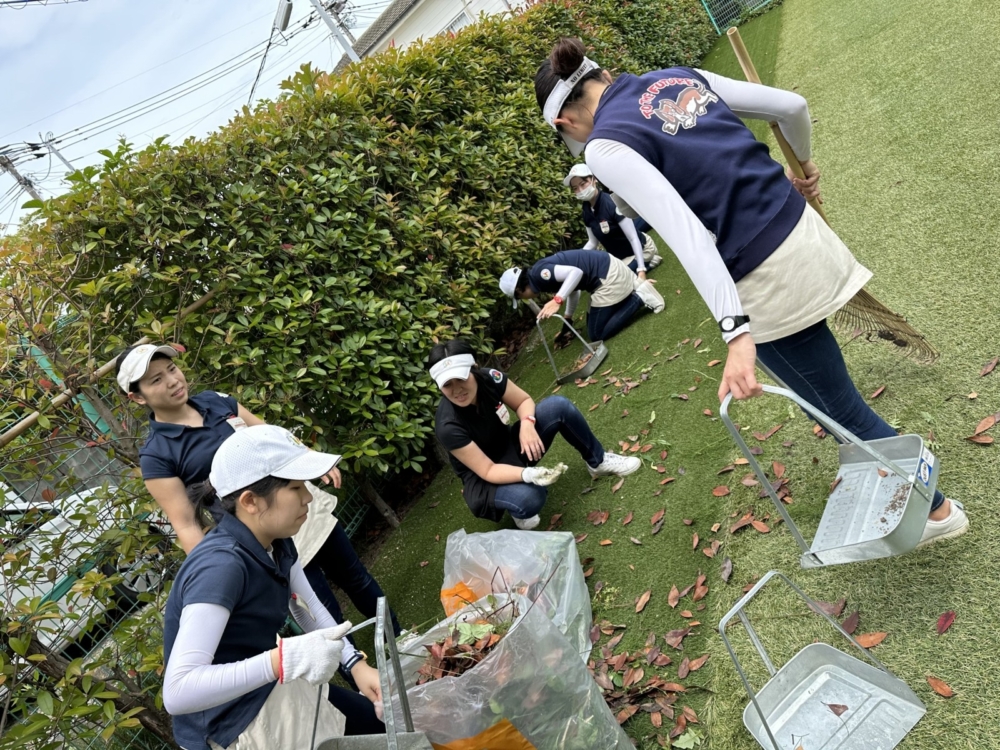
350 663
557 299
732 322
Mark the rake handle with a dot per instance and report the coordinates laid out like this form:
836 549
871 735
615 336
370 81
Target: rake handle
743 56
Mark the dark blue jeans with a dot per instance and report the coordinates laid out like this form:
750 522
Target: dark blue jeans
641 225
357 709
338 561
555 415
605 322
811 364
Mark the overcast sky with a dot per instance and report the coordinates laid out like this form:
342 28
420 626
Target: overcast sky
65 66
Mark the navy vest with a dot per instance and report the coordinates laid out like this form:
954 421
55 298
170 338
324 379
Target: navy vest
725 175
593 263
604 215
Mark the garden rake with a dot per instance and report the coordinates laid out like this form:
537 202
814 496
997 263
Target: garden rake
863 314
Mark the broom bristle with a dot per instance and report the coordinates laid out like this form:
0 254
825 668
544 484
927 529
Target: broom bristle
871 318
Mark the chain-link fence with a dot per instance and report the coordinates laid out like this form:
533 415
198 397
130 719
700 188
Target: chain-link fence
726 13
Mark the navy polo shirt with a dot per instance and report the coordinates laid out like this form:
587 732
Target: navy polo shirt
229 567
595 265
176 450
604 220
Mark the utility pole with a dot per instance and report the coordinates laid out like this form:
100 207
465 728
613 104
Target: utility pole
336 8
49 142
27 185
348 47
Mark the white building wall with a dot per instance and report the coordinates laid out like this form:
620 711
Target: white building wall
432 17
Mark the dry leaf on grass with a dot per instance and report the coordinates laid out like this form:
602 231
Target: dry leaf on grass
778 468
762 527
726 570
850 624
715 362
642 601
668 480
986 424
605 542
425 563
674 597
721 491
635 541
684 668
945 621
870 640
699 662
580 537
618 485
628 519
940 687
981 439
657 516
989 367
694 541
878 392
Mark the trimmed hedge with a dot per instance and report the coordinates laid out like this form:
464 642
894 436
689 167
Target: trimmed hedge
349 224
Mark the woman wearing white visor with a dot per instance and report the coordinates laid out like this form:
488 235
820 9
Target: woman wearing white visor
495 456
670 144
226 684
607 227
616 293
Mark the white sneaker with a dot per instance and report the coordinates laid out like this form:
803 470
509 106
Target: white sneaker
657 260
956 524
620 466
650 297
527 524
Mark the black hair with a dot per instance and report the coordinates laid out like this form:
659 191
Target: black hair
453 348
204 498
522 282
133 387
564 60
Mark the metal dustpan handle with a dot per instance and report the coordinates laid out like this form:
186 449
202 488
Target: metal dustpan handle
538 324
737 611
840 433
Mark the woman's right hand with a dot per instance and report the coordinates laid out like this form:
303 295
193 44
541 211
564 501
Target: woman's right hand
740 375
313 657
808 187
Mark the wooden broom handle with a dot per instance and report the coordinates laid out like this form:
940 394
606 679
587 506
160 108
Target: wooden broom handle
751 75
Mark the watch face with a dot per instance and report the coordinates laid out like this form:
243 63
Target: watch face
728 324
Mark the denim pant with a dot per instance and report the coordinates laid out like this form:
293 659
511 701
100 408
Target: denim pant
357 709
811 364
554 415
605 322
338 561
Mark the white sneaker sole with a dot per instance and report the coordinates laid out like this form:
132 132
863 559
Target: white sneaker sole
953 534
596 474
650 297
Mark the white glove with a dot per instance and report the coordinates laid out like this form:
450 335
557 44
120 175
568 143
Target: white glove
313 657
541 476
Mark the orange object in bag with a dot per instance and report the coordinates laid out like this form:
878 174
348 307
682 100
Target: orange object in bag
501 736
458 596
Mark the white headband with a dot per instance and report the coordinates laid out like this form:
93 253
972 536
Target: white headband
558 95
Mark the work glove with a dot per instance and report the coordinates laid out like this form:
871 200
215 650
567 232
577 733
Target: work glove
313 657
542 476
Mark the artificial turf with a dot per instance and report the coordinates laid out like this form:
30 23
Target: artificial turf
904 98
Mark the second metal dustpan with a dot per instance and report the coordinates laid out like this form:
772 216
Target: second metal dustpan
880 500
823 698
594 353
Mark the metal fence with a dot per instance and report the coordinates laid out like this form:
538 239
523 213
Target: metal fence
726 13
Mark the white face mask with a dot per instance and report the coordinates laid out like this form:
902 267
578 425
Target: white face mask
588 193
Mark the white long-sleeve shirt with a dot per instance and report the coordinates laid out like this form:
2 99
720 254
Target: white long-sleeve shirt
192 682
641 185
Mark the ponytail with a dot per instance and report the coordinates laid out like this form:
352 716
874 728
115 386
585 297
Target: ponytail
205 499
564 60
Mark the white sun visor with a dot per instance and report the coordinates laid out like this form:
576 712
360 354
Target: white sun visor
557 98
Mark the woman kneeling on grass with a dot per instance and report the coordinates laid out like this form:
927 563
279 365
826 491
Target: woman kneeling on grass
494 458
226 684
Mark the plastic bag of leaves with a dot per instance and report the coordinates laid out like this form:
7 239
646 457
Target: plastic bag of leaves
531 677
543 566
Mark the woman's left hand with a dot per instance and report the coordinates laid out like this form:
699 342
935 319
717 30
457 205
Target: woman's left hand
531 445
808 187
366 678
332 478
551 308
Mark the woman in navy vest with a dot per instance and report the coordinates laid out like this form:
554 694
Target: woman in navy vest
226 684
670 143
607 227
185 431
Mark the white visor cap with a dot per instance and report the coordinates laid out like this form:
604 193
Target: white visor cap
265 450
508 283
578 170
456 367
137 362
557 98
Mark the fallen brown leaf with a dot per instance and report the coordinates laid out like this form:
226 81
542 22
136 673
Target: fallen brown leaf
762 527
657 516
628 519
618 485
715 362
588 572
716 527
850 624
726 570
834 609
580 537
425 563
870 640
836 483
635 541
593 407
667 480
940 687
837 708
605 542
883 473
721 491
656 718
684 668
981 439
642 601
989 367
698 663
646 448
694 541
945 621
696 344
741 461
749 481
986 424
725 469
707 412
878 392
778 468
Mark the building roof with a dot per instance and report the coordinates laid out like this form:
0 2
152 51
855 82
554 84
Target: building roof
382 26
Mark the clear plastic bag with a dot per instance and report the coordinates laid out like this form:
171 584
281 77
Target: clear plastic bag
533 678
521 562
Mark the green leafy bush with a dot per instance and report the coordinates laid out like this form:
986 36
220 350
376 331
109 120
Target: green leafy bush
349 224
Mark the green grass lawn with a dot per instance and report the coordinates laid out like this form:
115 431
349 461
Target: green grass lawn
905 101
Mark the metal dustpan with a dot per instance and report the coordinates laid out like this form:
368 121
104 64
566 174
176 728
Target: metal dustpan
597 350
881 497
395 738
823 698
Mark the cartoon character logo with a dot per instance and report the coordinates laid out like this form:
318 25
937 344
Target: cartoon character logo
683 112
